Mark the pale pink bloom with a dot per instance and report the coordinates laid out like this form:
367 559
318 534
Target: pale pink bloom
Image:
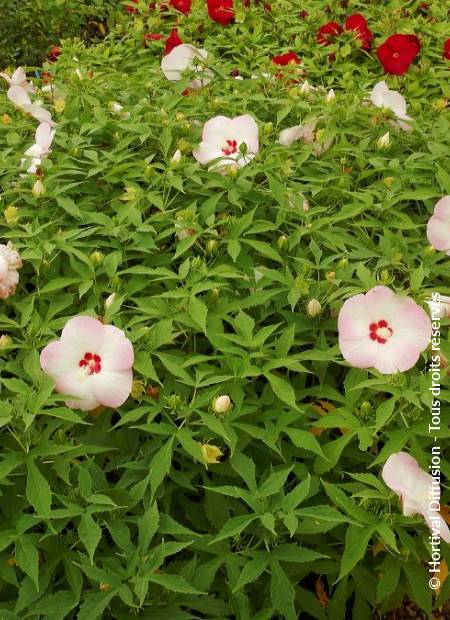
383 97
176 157
413 485
440 308
91 362
20 98
228 140
41 148
438 227
19 79
383 330
183 58
10 262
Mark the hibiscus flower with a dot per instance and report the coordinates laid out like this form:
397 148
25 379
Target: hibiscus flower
221 11
383 330
91 362
398 52
358 24
183 58
288 58
328 32
438 227
383 97
20 98
403 475
231 141
19 79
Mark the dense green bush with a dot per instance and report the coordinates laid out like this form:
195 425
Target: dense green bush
116 514
31 27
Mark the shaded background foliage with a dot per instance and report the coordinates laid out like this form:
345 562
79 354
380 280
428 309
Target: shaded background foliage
115 515
31 27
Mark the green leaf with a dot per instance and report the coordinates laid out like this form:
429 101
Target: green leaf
90 534
282 593
160 465
356 541
27 558
38 491
282 389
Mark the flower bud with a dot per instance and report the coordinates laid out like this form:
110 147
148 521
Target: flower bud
211 454
232 170
343 263
222 404
313 308
183 145
330 96
305 205
5 341
212 246
282 242
268 129
11 215
179 116
109 301
115 107
305 88
38 189
6 119
366 408
330 276
385 276
388 181
96 258
176 157
384 141
429 250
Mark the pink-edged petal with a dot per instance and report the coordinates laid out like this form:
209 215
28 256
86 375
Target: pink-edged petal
412 326
112 389
181 58
354 319
217 130
246 129
39 113
395 356
438 233
116 350
400 472
442 209
205 153
83 334
18 96
290 135
359 353
56 360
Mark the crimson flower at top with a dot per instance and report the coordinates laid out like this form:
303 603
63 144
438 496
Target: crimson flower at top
221 11
54 53
398 52
356 23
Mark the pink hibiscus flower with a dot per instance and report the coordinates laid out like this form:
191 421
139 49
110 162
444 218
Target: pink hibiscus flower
91 362
383 330
417 489
438 227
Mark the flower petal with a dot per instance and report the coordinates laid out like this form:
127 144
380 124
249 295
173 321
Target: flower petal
112 388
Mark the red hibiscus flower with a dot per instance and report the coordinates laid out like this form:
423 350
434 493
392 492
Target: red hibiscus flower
358 24
184 6
327 32
398 52
289 58
446 53
54 53
221 11
173 40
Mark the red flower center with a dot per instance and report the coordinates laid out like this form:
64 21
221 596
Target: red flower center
381 332
230 148
91 363
395 55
